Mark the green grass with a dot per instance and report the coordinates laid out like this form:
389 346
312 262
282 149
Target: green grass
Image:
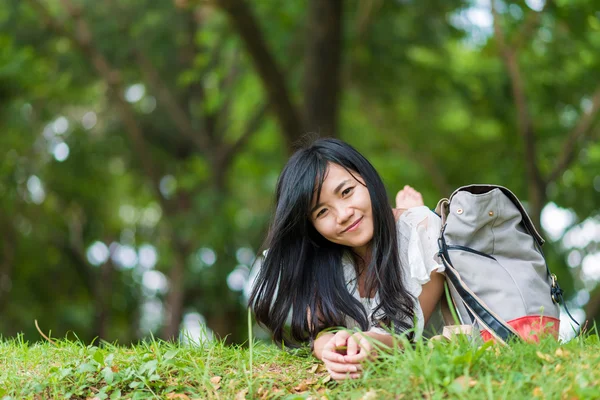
156 369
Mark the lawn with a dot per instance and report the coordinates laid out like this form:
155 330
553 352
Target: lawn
154 369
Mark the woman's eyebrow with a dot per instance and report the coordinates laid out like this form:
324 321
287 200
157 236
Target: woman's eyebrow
335 191
340 186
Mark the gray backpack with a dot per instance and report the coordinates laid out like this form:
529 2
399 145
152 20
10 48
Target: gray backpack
495 269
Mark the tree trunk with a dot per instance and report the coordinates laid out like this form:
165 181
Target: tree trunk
592 309
225 324
537 200
174 301
322 66
102 303
272 79
7 260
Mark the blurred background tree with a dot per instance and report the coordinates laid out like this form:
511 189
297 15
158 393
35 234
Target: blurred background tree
141 141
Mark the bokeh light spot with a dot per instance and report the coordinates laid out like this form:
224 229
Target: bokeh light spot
61 152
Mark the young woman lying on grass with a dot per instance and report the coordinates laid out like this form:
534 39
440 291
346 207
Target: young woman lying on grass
340 257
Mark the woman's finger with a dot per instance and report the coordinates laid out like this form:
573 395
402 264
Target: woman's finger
365 350
329 355
356 359
331 352
340 377
352 346
341 339
342 367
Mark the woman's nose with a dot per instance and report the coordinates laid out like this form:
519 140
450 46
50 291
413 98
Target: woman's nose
344 214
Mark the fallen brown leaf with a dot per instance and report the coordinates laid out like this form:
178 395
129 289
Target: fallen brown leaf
241 395
303 387
557 368
370 395
177 396
545 357
464 382
561 353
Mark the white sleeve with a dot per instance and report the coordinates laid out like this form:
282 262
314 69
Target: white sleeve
418 231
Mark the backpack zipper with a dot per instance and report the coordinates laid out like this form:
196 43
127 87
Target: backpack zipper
469 250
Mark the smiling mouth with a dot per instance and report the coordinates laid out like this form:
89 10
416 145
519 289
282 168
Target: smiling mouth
354 225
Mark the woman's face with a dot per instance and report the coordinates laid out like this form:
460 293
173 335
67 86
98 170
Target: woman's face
344 214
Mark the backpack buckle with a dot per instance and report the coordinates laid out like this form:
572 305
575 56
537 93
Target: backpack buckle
555 290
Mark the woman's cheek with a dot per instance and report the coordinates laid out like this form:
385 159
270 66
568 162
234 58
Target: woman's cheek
329 228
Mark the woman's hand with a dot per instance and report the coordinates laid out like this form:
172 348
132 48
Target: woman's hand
334 357
344 352
359 349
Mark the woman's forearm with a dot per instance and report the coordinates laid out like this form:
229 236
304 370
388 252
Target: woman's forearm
384 338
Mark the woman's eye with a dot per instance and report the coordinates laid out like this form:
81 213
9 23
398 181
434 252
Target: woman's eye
347 191
321 212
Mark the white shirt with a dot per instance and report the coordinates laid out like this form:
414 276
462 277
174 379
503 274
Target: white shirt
418 230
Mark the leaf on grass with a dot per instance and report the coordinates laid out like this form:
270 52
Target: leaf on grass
537 392
216 379
463 383
557 368
108 375
114 369
87 367
154 377
303 387
321 368
261 390
170 354
63 373
99 357
314 368
241 395
177 396
561 353
149 367
545 357
370 395
326 379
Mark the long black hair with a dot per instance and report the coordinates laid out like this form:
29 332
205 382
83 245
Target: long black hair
302 271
